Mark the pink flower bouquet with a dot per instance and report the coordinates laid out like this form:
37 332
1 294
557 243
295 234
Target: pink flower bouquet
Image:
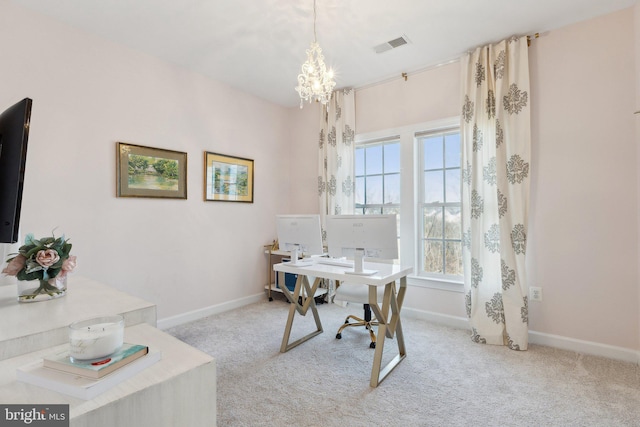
42 259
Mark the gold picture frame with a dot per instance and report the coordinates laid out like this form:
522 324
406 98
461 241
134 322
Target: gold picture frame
227 178
150 172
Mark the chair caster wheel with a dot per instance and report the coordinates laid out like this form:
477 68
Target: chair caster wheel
270 298
372 345
338 336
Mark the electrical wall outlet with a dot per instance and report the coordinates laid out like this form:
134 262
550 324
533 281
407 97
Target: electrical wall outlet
535 293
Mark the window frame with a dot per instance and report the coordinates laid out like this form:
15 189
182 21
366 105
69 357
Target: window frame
409 164
421 204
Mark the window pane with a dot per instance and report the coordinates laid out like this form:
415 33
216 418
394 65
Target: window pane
433 187
392 188
433 256
390 210
372 211
453 185
392 158
374 190
359 192
359 170
452 153
453 254
432 148
432 222
373 160
452 223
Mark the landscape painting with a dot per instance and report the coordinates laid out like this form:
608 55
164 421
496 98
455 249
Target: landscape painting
151 172
228 178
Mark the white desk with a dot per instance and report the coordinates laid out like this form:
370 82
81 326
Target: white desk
389 323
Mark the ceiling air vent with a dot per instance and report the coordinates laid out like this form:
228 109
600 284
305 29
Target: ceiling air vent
391 44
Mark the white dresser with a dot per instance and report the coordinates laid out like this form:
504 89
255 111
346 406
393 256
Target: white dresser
179 390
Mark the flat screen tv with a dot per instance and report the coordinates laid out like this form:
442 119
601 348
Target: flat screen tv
14 134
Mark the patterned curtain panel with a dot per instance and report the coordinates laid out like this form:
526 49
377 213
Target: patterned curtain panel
336 143
496 139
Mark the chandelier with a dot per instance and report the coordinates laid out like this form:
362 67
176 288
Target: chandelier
315 82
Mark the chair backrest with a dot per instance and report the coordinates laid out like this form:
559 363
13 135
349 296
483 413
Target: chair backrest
356 293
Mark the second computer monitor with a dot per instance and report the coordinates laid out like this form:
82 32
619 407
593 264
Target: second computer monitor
376 235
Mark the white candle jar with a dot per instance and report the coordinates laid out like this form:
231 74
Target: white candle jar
96 338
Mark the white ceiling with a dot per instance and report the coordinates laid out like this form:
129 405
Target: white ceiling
259 45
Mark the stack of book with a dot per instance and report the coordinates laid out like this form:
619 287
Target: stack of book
87 379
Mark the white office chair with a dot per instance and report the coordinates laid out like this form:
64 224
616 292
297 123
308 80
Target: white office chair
358 294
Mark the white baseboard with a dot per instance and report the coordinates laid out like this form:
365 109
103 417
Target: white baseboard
556 341
586 347
191 316
443 319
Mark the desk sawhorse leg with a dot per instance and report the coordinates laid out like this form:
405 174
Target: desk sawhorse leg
308 301
387 327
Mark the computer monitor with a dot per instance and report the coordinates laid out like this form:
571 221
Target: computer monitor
360 236
300 234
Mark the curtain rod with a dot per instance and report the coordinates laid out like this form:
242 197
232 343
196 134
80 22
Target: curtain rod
405 75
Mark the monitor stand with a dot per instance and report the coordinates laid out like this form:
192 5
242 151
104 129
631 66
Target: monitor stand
298 262
358 262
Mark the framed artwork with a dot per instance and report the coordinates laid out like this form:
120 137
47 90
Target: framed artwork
150 172
228 178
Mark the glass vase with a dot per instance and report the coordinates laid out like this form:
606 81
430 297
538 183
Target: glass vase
41 290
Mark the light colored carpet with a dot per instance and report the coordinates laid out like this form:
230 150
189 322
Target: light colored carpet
445 380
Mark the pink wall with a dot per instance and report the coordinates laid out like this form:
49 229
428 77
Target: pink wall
302 158
583 237
584 199
88 93
424 96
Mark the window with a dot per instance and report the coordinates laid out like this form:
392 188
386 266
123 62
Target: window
377 174
440 216
429 229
